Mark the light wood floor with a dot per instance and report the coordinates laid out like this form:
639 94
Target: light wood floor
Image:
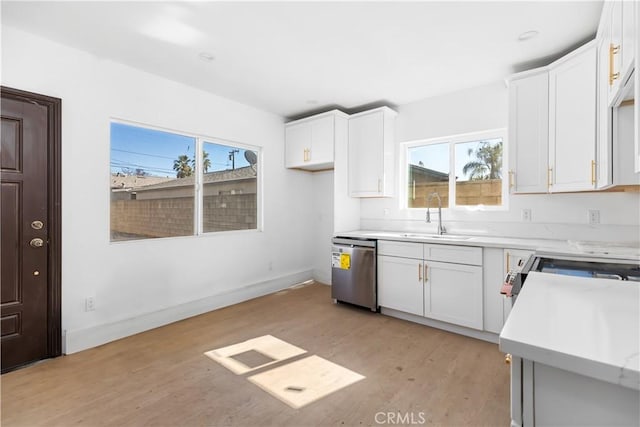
162 378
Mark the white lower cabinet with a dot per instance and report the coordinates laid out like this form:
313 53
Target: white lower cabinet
544 395
413 283
453 293
400 284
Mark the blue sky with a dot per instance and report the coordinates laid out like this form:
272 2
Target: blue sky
436 156
154 151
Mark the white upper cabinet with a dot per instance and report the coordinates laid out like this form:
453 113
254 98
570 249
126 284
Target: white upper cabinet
309 142
618 34
371 148
529 132
636 154
604 172
572 121
629 37
618 152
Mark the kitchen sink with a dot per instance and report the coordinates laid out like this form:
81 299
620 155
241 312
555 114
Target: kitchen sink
435 236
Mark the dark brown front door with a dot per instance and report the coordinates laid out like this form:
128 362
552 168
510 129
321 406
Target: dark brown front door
29 307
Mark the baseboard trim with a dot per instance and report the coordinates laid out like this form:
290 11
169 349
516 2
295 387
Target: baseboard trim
481 335
94 336
321 277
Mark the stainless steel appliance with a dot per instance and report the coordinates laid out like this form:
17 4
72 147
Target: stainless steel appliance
353 272
603 268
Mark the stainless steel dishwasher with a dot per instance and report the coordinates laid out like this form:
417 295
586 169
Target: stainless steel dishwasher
353 272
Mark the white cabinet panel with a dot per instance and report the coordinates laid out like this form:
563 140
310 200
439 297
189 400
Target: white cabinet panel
401 249
629 36
455 254
529 133
400 284
309 142
371 148
297 138
572 121
322 140
637 94
453 293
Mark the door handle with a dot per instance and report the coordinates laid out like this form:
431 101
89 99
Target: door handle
425 273
419 272
36 243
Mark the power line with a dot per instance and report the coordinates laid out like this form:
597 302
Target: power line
142 154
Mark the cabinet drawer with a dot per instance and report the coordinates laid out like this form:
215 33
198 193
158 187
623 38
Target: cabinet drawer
400 249
455 254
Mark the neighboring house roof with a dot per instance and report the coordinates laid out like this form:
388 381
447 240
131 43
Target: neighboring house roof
129 181
430 175
246 172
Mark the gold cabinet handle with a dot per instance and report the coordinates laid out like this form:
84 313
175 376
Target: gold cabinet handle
549 177
593 172
508 261
425 273
419 273
510 180
613 50
413 197
507 359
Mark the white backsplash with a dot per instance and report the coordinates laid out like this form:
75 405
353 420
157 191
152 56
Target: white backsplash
578 232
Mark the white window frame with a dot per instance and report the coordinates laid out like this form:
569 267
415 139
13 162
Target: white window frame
452 140
198 190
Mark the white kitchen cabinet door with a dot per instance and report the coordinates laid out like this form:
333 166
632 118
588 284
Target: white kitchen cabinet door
297 139
572 121
615 43
629 37
529 133
371 166
322 139
637 95
453 293
309 142
400 284
604 171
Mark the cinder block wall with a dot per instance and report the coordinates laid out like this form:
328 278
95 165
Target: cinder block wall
174 216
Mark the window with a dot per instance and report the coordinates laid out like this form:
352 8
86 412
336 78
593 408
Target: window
156 177
476 161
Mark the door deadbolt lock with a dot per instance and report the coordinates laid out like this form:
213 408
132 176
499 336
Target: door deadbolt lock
37 225
36 243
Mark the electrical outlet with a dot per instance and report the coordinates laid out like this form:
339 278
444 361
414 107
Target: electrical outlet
89 304
594 216
526 215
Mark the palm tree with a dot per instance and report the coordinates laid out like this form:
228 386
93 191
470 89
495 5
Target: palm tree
206 162
182 166
487 163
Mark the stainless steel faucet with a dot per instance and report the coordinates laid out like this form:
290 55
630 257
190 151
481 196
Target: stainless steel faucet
441 229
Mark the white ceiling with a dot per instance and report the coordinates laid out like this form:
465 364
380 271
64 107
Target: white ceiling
294 57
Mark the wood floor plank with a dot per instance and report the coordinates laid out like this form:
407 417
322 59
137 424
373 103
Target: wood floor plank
161 377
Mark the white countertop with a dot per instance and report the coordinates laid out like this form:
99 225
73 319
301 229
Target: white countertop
583 325
609 250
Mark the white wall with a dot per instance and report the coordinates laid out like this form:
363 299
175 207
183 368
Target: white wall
562 216
322 224
143 284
